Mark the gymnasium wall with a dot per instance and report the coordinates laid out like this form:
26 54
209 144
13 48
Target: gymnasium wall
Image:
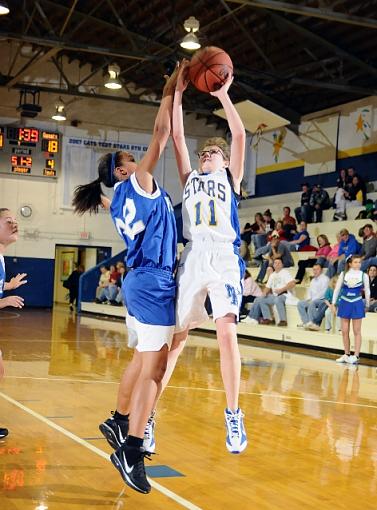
282 154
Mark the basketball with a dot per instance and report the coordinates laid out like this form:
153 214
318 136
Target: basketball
209 68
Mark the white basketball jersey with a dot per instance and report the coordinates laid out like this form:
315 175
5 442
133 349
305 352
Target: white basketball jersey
209 208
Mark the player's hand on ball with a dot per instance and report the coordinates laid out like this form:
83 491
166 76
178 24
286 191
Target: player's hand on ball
223 91
171 82
183 76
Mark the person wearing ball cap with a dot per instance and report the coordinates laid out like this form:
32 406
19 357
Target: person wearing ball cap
211 264
144 218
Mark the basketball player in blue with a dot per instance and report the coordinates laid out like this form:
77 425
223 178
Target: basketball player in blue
8 235
143 216
351 284
211 264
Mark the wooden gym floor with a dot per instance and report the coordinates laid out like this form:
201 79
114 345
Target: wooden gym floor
312 425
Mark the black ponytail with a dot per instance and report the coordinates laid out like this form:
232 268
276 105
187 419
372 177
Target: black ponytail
88 197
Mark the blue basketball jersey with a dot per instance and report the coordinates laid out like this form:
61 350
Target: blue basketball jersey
2 276
146 223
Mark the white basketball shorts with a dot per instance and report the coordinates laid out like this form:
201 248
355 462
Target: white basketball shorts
208 268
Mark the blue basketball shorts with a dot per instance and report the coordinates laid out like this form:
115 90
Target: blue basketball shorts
149 297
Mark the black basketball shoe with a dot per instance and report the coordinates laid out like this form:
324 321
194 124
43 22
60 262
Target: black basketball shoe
115 431
132 471
3 433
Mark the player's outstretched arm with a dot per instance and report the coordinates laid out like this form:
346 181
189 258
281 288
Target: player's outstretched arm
15 301
161 133
237 129
180 147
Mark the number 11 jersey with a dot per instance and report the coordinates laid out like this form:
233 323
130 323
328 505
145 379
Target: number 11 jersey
209 208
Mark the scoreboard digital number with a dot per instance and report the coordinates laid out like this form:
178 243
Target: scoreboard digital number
29 151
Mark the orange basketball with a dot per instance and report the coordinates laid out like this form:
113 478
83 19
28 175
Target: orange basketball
209 68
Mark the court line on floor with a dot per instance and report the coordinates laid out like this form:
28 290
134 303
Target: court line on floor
168 493
215 390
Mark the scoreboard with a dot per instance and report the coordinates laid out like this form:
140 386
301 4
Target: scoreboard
29 151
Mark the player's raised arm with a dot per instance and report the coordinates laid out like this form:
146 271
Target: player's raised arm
237 148
180 147
161 133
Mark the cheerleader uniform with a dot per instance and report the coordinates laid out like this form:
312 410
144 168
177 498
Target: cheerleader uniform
349 288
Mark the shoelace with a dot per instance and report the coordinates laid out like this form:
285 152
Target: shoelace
234 424
139 465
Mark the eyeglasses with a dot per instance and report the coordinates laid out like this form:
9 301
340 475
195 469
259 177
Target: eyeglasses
210 152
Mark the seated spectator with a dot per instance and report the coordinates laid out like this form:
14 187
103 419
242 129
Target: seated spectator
347 246
117 297
104 280
304 212
340 205
319 202
328 312
269 221
259 234
316 293
289 223
276 250
251 290
319 257
279 230
350 182
300 240
245 241
341 181
368 250
368 212
356 192
372 273
277 292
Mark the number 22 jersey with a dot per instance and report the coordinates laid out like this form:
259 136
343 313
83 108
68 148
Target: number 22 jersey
147 225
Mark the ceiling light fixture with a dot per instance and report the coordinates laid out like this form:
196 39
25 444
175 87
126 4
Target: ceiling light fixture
112 81
191 41
4 9
59 114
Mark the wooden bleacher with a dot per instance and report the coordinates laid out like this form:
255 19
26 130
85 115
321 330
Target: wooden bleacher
290 334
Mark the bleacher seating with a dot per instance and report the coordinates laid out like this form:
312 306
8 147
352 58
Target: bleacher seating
291 333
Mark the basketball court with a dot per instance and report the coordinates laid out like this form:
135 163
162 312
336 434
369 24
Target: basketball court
311 425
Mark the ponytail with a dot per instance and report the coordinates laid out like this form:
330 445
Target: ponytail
88 197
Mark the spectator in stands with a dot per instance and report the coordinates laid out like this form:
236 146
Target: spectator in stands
357 192
341 181
368 250
104 280
278 230
72 284
350 175
276 250
340 205
277 292
325 309
347 246
116 298
289 223
372 273
245 241
269 221
304 212
333 254
319 257
316 293
259 234
251 290
301 239
319 202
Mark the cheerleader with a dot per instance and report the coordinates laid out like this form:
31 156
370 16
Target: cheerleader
350 285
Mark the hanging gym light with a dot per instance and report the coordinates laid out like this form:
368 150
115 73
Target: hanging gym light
191 41
112 81
59 114
4 9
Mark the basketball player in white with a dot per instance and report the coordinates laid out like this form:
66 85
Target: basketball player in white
211 264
